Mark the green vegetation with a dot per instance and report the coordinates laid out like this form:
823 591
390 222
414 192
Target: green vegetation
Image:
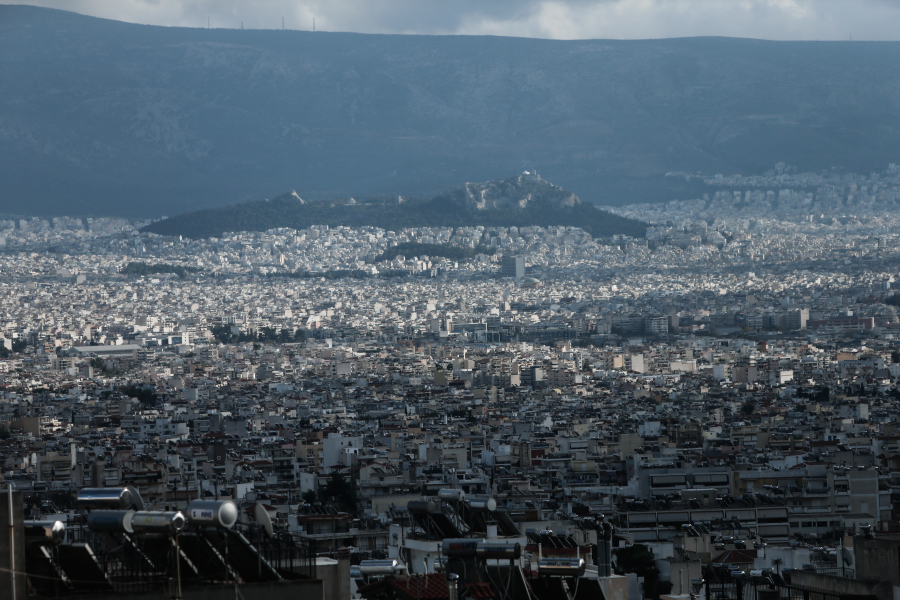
140 269
409 249
639 560
18 345
339 274
340 491
442 211
146 396
336 274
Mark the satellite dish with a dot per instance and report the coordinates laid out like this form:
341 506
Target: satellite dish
137 503
263 520
847 556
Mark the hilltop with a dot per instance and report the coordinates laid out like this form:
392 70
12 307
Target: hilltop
99 117
517 201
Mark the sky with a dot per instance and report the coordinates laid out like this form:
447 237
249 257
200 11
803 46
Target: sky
553 19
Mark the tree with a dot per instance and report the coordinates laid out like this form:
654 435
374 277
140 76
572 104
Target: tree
339 491
748 409
638 559
309 496
223 334
147 397
777 562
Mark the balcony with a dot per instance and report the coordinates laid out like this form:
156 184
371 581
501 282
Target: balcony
806 510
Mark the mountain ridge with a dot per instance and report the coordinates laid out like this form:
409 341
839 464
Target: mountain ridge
104 117
515 201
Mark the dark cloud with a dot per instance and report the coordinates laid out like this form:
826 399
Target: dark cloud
560 19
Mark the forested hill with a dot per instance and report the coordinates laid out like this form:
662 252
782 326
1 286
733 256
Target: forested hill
99 117
517 201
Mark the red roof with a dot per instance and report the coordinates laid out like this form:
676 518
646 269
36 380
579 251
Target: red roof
426 587
736 557
480 591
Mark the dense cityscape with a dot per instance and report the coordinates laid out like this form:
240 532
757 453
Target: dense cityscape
718 397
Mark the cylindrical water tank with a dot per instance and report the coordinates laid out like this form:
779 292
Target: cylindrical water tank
209 513
499 550
421 506
378 567
105 498
147 521
136 502
483 504
460 547
451 494
110 521
45 531
561 567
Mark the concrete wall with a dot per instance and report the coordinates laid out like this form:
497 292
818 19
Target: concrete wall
335 576
615 587
878 559
841 585
308 589
19 541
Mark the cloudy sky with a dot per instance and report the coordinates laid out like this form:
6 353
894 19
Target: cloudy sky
560 19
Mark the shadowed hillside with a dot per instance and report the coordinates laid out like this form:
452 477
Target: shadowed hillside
518 201
103 117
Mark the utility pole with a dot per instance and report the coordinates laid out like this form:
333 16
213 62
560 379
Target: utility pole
12 540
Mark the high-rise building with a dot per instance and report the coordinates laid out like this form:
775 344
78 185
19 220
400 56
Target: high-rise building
656 325
513 265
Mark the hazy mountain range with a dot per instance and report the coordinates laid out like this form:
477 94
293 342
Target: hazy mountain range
103 117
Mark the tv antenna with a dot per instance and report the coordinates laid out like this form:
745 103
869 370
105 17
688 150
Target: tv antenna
207 22
314 24
282 23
